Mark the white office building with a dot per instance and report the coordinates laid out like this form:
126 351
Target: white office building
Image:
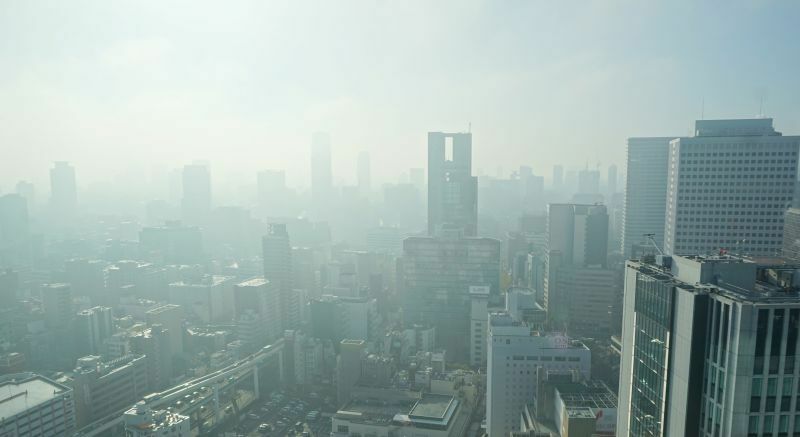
645 191
32 405
478 329
514 355
728 187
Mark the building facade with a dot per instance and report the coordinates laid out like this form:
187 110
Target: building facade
728 188
515 354
452 190
32 405
645 192
709 348
437 275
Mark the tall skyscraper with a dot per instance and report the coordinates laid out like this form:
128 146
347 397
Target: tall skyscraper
515 356
578 288
321 172
92 328
278 271
63 189
364 175
262 298
612 180
170 318
348 368
452 190
709 347
728 187
156 345
196 200
645 192
436 279
558 177
57 306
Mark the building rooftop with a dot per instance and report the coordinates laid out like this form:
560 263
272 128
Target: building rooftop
430 410
740 278
431 406
253 282
590 394
20 392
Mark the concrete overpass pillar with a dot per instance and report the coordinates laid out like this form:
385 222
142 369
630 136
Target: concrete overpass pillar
255 381
216 398
280 365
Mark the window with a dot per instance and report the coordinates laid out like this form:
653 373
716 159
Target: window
752 427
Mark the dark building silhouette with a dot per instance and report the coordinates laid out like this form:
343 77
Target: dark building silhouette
452 190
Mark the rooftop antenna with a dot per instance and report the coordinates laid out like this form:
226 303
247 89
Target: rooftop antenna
761 107
703 109
469 127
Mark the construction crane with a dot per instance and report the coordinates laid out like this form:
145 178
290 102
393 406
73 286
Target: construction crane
652 239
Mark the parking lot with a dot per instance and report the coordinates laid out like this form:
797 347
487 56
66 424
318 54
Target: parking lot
282 414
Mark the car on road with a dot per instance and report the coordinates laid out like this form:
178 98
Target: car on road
264 428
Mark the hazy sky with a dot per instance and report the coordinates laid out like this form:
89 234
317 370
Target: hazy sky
121 86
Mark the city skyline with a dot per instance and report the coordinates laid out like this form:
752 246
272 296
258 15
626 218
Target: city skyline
259 79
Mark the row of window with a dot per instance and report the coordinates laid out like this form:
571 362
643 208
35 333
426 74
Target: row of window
750 153
754 427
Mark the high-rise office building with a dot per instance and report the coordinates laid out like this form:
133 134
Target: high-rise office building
156 346
728 187
645 192
209 299
437 273
32 405
262 298
452 190
196 199
63 189
612 180
791 235
575 267
515 354
364 174
321 172
92 328
558 177
170 317
277 254
478 324
348 368
57 306
709 346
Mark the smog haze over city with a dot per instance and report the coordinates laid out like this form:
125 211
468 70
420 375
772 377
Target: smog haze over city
399 218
